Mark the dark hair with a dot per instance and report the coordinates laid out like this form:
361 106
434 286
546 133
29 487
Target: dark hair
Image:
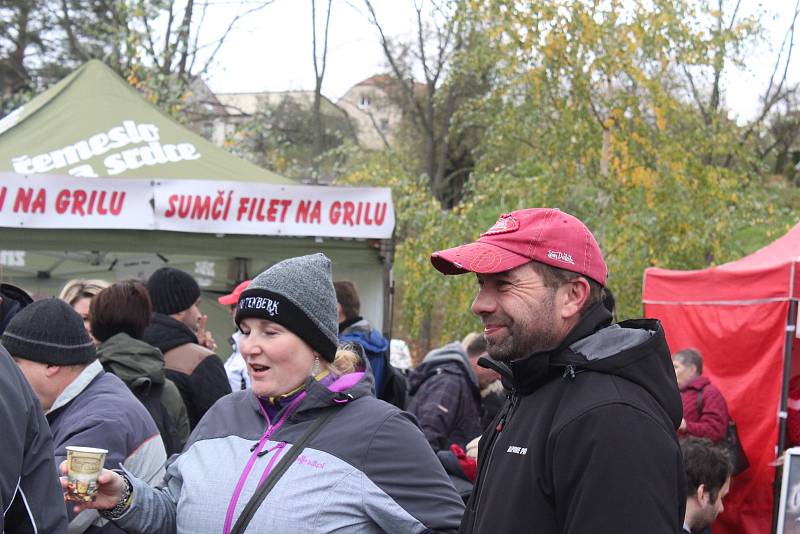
476 347
705 464
122 307
554 278
347 297
690 358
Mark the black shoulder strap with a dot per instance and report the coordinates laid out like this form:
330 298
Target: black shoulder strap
275 475
700 402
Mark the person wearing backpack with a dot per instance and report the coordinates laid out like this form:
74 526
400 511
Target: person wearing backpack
119 314
390 383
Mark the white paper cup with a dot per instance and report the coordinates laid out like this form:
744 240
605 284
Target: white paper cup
84 464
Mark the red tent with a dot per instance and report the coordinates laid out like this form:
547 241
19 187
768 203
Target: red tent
742 317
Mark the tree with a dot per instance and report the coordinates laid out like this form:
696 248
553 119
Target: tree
155 44
283 136
603 110
444 33
319 74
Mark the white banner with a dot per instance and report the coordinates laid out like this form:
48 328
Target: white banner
200 206
42 201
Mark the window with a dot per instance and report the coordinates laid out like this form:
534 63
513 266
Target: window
364 103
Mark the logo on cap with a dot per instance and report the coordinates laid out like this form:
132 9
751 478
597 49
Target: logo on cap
505 224
560 256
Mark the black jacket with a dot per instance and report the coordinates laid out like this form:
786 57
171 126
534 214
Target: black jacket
197 371
586 442
446 398
30 495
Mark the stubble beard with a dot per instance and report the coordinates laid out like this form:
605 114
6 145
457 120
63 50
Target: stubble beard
535 332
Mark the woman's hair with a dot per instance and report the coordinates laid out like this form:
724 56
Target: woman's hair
349 359
78 289
122 307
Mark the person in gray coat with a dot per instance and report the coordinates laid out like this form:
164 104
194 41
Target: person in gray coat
84 405
367 469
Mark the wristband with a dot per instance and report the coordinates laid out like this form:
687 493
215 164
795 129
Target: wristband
124 501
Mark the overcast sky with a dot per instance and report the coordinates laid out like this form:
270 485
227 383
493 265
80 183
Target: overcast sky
271 49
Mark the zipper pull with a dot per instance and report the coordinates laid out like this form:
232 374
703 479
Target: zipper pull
569 371
279 445
502 423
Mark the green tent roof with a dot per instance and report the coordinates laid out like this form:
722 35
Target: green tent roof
92 123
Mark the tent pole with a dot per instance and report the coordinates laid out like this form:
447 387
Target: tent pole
387 256
791 328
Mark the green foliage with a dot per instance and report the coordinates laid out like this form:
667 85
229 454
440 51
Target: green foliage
151 43
595 108
280 137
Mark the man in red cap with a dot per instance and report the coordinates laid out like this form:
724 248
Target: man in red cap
586 441
235 366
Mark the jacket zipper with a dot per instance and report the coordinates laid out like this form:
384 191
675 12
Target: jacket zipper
509 412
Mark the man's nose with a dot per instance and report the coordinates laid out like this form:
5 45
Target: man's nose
484 302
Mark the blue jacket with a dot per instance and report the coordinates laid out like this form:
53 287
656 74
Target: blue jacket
390 384
368 470
98 410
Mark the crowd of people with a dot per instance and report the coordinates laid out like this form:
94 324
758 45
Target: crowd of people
554 418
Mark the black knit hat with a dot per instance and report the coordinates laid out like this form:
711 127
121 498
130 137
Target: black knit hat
49 331
172 290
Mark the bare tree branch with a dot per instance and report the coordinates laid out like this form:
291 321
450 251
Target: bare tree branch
404 85
151 47
196 42
696 94
219 42
772 98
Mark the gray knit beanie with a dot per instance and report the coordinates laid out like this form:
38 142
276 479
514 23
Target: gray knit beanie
298 294
49 331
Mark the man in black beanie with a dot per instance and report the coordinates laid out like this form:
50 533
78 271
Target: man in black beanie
194 368
84 405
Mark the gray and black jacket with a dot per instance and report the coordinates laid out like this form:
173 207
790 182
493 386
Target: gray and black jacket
586 443
30 495
446 398
368 470
98 410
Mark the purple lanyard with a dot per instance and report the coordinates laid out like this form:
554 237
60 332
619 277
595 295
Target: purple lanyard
254 456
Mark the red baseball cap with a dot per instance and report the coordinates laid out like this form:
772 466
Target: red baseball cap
545 235
233 297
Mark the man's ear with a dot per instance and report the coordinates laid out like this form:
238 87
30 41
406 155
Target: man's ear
573 296
702 495
52 370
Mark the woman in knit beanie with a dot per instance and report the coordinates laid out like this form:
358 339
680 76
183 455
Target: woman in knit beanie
325 454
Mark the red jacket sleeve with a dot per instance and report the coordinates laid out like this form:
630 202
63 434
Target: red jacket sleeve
713 421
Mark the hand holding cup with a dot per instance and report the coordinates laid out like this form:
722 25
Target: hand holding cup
109 488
